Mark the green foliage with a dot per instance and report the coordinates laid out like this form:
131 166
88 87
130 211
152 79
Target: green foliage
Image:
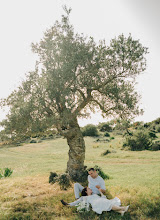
64 181
152 134
153 125
138 125
157 121
106 134
139 141
122 124
73 72
90 130
156 146
104 127
73 76
158 128
7 172
101 173
53 177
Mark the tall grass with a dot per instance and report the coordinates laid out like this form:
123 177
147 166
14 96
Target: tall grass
27 194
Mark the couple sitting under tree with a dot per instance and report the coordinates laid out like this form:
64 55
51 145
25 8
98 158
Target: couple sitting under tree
90 195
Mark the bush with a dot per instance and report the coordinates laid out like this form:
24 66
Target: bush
105 127
156 146
6 173
106 152
101 173
90 130
53 177
33 141
64 181
106 134
139 141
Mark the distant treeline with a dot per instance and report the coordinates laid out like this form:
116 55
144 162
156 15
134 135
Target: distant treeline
139 135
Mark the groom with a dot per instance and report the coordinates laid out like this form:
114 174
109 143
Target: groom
95 182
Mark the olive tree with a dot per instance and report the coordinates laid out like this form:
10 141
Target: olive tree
73 76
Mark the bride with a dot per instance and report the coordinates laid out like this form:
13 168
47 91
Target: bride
98 203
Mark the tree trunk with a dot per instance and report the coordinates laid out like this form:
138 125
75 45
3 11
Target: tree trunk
75 165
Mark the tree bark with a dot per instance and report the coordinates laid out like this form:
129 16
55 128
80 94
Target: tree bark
75 140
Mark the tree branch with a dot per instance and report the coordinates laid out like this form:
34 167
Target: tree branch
84 103
82 94
108 81
101 107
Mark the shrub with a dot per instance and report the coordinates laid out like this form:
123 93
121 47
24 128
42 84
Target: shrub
111 138
90 130
6 173
105 127
53 177
97 140
157 121
127 133
100 172
33 141
64 181
156 146
106 134
106 152
139 141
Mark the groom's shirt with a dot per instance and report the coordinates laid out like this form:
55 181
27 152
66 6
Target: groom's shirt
92 183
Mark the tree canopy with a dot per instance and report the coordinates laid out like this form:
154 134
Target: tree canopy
75 74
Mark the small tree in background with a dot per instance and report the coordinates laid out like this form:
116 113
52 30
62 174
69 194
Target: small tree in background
90 130
104 127
139 141
72 76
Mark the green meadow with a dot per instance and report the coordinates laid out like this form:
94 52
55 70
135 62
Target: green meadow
27 194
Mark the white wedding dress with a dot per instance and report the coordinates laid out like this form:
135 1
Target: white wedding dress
98 203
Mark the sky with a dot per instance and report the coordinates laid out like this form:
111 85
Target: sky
25 21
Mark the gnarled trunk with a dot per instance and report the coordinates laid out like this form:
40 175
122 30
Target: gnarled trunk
75 164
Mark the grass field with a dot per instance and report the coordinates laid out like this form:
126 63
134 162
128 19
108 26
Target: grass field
26 194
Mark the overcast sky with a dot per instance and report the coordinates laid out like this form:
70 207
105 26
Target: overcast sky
24 21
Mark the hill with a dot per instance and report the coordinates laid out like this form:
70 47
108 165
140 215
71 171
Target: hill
27 194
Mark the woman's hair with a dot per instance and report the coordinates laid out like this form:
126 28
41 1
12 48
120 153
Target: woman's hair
84 192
